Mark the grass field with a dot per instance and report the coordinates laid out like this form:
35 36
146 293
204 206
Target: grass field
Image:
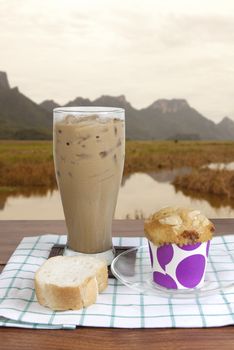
155 155
30 163
215 182
26 164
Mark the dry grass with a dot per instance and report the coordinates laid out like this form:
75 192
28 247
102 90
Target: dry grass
155 155
216 182
28 175
30 163
26 164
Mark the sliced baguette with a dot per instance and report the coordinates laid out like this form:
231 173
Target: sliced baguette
70 283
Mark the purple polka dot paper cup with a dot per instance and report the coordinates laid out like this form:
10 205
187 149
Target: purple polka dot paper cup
179 267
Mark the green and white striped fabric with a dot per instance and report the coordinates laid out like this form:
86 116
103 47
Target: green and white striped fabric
117 306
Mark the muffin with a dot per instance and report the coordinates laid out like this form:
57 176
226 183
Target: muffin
179 240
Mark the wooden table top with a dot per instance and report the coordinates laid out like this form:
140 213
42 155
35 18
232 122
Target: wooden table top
11 232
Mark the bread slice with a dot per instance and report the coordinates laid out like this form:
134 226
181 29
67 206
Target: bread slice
70 282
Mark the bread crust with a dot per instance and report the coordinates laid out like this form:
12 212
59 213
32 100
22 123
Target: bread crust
73 297
178 225
102 279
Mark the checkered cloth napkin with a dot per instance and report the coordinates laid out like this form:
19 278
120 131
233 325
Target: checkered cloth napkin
118 305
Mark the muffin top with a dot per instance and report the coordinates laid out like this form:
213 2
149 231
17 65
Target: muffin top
178 225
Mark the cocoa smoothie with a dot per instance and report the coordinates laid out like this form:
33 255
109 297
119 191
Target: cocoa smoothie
89 159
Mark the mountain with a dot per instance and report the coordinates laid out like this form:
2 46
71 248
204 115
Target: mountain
226 126
20 117
133 127
169 106
49 105
79 101
4 84
166 119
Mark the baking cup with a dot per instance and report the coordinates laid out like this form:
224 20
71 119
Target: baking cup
179 267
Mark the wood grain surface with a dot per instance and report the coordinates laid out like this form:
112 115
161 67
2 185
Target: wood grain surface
118 339
11 232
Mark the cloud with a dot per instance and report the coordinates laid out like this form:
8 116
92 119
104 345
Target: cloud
145 49
191 30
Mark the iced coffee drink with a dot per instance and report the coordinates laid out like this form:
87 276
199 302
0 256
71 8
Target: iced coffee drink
89 147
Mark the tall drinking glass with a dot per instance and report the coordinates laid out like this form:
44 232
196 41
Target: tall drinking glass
89 149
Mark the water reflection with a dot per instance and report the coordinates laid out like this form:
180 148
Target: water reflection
139 196
25 192
220 166
214 200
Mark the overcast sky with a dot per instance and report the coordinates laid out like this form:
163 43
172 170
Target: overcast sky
61 49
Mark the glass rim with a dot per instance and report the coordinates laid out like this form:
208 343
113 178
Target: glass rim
88 109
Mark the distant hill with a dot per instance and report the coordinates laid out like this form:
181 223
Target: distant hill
4 84
21 118
79 101
49 105
134 128
226 126
165 119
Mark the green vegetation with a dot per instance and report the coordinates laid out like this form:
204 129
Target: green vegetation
29 164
